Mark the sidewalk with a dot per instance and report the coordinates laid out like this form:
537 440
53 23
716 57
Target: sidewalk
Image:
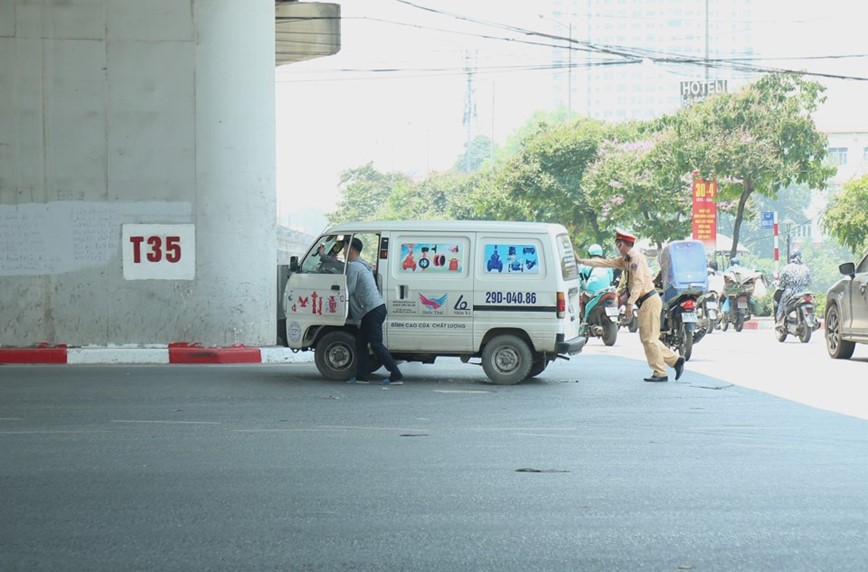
760 323
175 353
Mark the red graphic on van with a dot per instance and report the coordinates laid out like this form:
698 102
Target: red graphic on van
433 303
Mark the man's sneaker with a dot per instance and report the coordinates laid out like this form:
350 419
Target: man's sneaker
396 377
390 382
355 381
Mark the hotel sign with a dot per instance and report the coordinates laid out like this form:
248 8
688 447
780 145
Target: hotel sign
698 90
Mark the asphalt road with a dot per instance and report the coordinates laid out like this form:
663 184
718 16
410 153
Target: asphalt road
273 468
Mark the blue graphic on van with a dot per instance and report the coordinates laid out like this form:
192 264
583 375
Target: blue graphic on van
519 258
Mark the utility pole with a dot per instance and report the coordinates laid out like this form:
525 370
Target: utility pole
706 46
570 72
469 108
559 61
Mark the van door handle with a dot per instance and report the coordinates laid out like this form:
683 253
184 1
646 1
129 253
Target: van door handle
336 287
402 292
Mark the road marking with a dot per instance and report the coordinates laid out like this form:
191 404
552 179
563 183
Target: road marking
461 391
522 428
299 430
359 428
166 422
547 436
50 432
10 419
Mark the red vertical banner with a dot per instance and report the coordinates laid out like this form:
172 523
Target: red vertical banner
705 213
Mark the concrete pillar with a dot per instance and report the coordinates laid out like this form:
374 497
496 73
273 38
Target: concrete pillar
158 114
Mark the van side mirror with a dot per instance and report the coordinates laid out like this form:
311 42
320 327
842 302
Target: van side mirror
848 269
293 263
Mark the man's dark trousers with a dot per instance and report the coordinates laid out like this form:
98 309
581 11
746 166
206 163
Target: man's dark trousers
371 332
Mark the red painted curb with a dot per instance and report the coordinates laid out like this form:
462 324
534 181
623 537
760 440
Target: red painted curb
40 353
751 325
185 352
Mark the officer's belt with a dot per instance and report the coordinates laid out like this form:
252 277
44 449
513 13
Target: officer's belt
644 297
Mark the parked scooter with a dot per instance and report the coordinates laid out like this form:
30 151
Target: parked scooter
799 317
600 315
739 285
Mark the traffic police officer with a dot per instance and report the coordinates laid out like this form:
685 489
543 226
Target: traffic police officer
642 293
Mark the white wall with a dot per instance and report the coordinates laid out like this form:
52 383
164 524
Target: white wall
119 111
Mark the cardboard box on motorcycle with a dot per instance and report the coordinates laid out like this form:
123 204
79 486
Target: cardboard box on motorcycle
504 292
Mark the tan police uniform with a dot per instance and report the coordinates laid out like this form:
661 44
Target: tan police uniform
642 293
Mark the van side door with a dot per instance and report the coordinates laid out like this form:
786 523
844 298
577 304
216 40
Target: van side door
430 292
316 295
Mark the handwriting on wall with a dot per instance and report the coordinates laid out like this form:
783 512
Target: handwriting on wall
66 236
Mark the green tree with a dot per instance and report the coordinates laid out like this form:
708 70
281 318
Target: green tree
759 139
476 153
543 180
629 186
426 200
790 203
364 192
846 217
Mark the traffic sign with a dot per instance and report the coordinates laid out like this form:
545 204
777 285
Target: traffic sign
768 220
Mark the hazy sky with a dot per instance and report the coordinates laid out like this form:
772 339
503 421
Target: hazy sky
330 119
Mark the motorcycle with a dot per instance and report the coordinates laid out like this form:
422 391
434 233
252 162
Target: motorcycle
799 317
682 281
600 315
631 323
708 312
739 284
678 326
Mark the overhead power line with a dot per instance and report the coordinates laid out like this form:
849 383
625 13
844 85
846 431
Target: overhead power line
625 51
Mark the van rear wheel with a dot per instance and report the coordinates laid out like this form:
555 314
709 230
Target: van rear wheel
540 363
507 359
335 355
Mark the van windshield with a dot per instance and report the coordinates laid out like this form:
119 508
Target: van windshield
569 269
333 259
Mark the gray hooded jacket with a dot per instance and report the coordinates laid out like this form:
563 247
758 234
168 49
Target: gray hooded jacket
362 289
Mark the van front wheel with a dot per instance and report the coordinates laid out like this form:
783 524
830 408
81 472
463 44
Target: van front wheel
335 355
507 359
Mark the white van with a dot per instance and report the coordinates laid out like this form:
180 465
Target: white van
504 292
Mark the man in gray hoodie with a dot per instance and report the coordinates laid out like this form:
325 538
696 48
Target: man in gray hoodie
368 312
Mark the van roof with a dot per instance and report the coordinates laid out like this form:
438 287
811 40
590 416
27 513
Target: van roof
445 225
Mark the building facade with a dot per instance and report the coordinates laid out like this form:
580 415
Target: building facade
654 33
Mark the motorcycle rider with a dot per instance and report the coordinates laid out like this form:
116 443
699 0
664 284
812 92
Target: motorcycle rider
715 278
734 266
594 279
795 277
